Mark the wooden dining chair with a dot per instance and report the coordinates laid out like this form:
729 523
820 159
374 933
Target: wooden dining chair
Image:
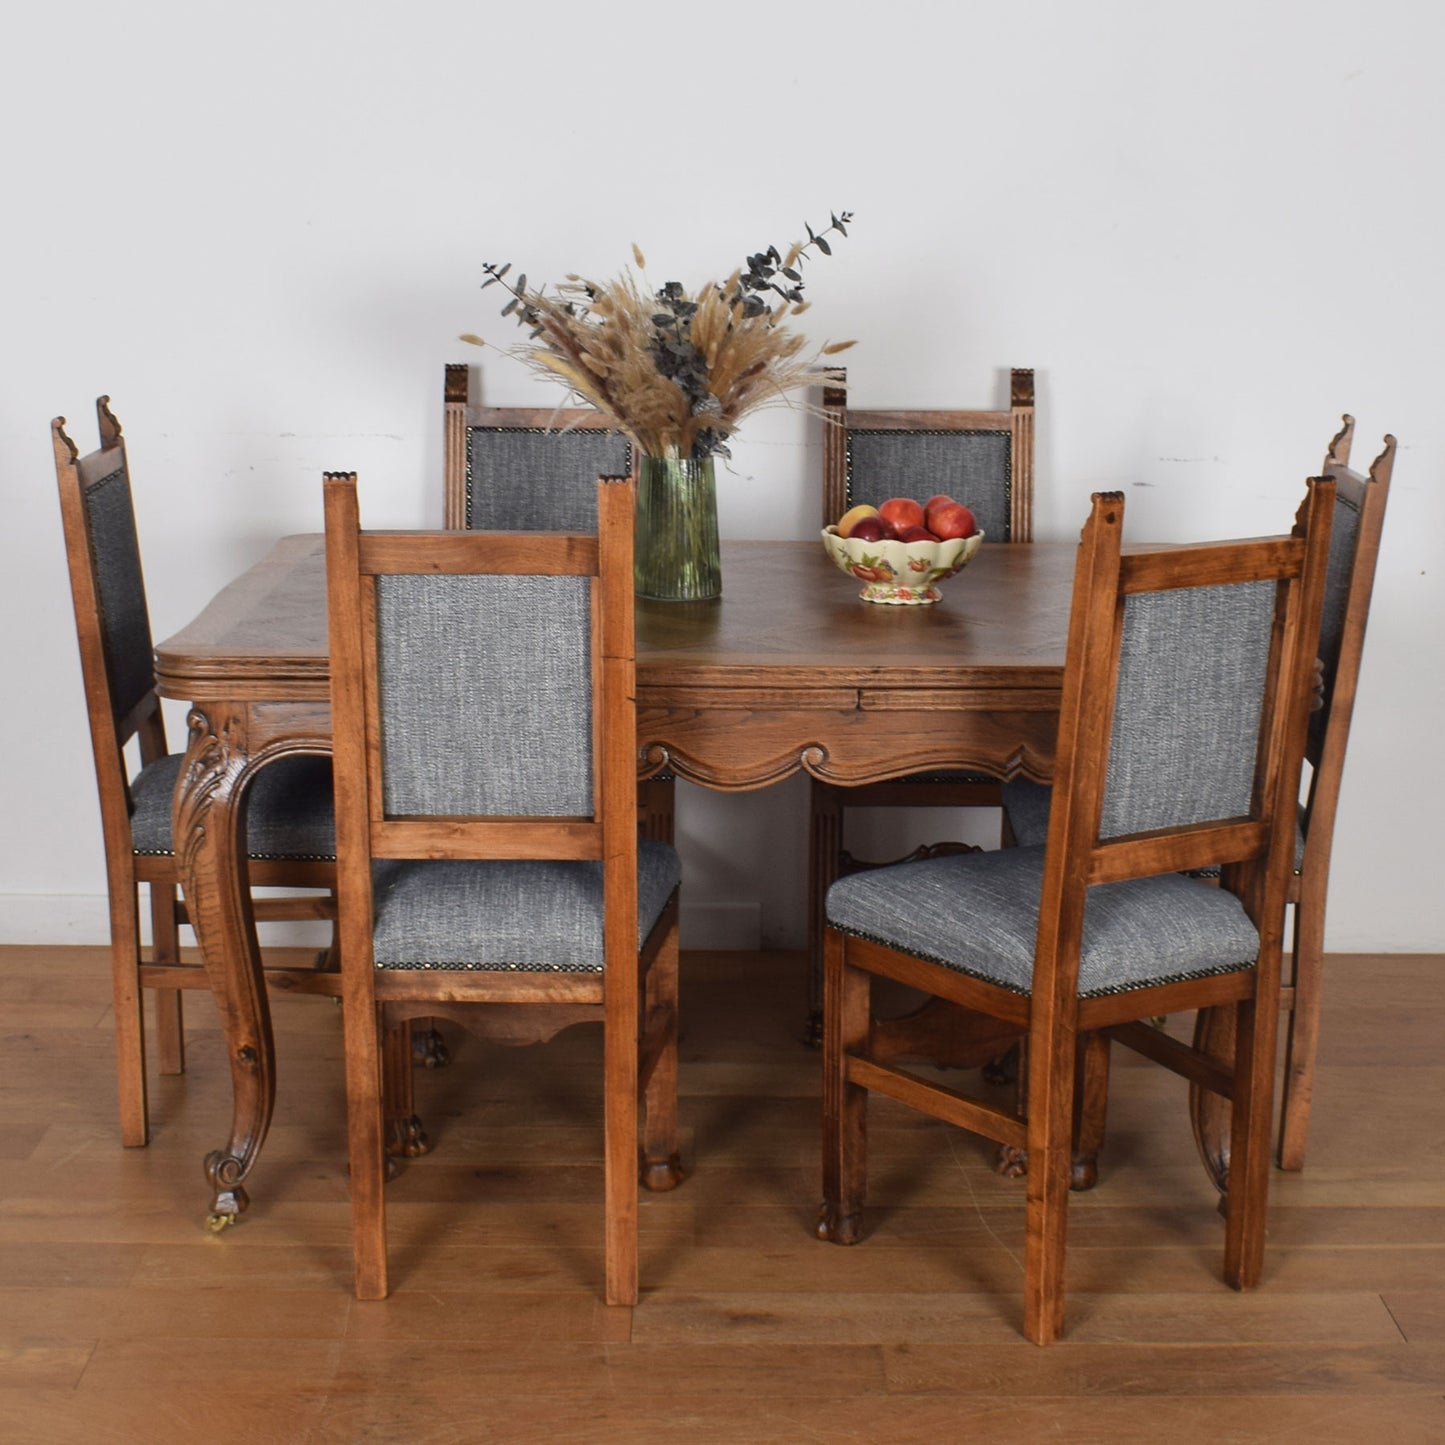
1187 685
982 458
490 873
291 838
1359 516
535 469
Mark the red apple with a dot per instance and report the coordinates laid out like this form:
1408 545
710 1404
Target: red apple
901 512
867 529
953 520
939 499
932 505
916 534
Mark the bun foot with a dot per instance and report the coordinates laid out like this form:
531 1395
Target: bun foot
838 1228
1013 1163
660 1175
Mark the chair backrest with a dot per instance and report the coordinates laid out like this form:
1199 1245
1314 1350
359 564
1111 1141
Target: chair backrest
482 696
1187 685
111 619
984 459
525 469
1354 549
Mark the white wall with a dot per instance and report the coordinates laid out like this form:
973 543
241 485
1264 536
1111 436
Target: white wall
1210 228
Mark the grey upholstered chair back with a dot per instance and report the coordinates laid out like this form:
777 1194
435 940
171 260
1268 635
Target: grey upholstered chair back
1187 715
485 688
125 627
1344 537
529 479
974 466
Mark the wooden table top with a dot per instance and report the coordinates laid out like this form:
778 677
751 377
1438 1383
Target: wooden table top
788 618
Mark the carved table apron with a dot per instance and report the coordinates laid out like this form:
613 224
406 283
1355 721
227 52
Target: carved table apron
787 672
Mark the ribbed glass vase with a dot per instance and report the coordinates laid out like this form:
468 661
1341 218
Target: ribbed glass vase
676 557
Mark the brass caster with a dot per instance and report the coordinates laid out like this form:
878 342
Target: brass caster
216 1223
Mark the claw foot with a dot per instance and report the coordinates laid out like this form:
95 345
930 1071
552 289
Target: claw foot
408 1138
429 1049
1011 1161
1002 1070
229 1200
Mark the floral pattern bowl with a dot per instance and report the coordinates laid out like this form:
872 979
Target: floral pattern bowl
903 574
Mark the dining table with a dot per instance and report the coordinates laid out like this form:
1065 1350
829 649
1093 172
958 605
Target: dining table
787 672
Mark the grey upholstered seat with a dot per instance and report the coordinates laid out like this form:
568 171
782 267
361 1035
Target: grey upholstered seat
289 812
514 916
978 913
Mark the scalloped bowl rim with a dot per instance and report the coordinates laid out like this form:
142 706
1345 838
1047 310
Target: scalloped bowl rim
940 554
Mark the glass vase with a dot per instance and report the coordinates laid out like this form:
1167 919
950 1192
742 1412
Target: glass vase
676 557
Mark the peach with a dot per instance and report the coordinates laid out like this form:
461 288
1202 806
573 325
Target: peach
850 519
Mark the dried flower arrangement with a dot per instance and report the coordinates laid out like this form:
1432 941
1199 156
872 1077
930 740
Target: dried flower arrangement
677 371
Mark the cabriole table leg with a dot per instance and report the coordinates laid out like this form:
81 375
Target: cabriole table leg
227 746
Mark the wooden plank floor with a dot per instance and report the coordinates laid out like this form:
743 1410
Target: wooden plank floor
122 1319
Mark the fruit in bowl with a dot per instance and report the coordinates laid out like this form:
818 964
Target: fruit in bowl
896 554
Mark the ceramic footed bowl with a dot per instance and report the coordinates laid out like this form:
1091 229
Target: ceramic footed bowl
903 574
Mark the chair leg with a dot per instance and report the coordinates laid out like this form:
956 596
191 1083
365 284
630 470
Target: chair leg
365 1144
1302 1037
620 1081
129 1006
825 848
165 948
1248 1195
661 1159
847 1007
1052 1072
406 1138
657 809
1211 1114
1091 1106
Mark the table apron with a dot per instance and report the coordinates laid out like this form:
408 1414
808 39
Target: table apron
736 749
